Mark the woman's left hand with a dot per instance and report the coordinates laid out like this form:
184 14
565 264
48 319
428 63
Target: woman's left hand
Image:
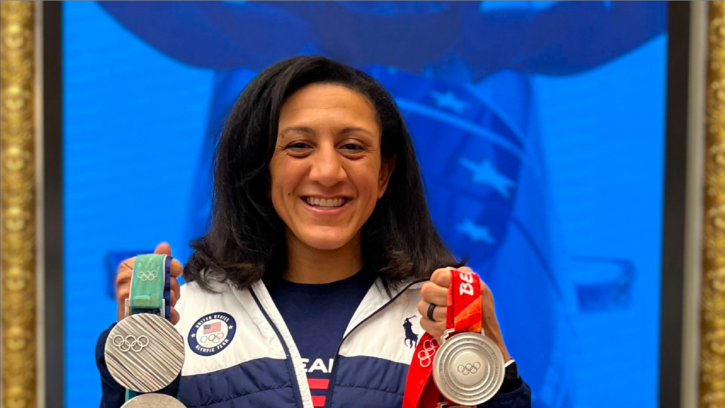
435 292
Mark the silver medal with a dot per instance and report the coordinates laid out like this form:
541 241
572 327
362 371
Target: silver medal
144 352
153 401
468 368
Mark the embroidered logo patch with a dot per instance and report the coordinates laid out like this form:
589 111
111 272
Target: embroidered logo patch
212 334
411 337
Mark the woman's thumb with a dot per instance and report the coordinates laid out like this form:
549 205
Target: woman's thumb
163 249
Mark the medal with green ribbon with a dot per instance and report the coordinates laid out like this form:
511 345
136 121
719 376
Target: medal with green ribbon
144 352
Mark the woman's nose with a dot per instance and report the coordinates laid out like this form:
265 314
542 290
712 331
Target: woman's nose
327 167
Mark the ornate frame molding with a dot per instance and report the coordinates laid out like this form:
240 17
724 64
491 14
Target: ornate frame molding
17 203
712 341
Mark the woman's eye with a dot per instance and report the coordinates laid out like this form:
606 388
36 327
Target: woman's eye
353 147
298 146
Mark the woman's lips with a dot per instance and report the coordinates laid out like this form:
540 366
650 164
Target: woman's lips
326 206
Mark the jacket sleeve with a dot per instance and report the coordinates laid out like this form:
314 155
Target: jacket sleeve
519 398
114 395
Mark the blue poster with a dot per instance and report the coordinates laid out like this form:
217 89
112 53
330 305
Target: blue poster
539 127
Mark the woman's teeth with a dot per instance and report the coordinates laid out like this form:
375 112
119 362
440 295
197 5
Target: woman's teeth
325 202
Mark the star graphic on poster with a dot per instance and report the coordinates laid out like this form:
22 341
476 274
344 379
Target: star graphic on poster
231 327
475 232
485 173
449 100
193 335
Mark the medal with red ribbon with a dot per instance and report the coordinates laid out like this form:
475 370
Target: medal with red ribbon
467 367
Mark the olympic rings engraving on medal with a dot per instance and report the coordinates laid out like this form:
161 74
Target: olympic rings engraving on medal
131 343
469 368
147 275
426 355
144 353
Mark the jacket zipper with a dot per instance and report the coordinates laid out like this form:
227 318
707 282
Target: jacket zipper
288 356
328 399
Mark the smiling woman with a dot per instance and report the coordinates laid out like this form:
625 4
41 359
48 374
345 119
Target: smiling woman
321 269
327 173
308 129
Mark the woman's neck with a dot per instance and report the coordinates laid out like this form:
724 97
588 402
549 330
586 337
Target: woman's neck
309 265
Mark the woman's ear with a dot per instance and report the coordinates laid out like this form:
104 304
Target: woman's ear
386 170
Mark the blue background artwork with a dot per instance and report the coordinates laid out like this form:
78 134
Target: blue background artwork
539 127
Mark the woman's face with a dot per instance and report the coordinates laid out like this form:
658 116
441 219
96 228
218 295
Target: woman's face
327 171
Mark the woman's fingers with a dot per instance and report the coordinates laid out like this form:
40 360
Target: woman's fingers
439 313
174 316
432 293
176 268
163 249
175 291
442 277
124 272
123 286
435 329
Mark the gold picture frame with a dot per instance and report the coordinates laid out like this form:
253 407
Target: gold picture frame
17 204
712 339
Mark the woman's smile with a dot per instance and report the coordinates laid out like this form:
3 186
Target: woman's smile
326 206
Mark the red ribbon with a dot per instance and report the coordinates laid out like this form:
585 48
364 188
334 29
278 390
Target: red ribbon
462 315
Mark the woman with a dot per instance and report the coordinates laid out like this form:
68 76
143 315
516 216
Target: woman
321 262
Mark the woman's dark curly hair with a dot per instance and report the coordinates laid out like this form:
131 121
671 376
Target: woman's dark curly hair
246 240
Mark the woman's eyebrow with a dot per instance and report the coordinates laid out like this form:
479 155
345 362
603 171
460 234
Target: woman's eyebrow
302 129
353 129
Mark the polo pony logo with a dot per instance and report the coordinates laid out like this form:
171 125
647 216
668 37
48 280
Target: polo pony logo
411 339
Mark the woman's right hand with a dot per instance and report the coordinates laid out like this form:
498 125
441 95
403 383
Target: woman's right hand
123 282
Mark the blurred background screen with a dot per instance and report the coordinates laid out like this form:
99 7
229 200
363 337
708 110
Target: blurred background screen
539 127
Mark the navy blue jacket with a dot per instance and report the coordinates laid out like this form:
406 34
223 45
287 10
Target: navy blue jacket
239 353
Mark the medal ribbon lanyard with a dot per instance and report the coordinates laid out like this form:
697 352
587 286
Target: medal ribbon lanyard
150 290
463 315
150 286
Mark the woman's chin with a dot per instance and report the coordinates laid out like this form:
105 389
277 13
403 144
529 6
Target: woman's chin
326 242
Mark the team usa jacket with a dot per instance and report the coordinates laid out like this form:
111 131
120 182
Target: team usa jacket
250 358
